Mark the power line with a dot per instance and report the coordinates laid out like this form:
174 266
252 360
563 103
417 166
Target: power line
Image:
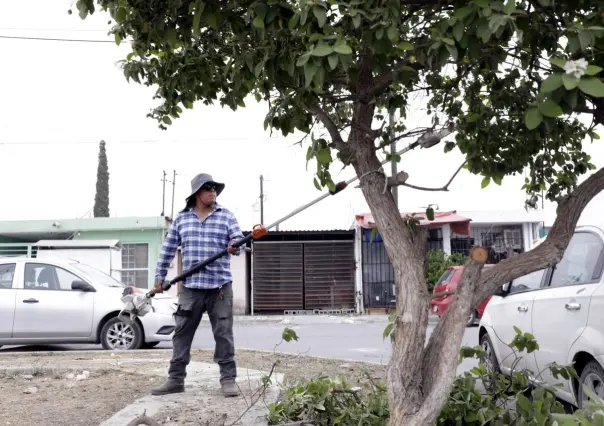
143 141
52 29
56 39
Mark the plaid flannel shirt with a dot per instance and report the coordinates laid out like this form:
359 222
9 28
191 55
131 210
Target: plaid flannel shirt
200 240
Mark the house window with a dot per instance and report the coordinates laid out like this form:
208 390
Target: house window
135 265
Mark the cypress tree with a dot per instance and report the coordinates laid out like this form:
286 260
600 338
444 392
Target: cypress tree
101 198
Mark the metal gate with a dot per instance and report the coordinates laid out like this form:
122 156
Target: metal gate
329 275
278 276
378 274
303 276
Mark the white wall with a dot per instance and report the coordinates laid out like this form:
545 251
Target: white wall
240 283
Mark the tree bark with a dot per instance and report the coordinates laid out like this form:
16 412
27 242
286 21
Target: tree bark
440 355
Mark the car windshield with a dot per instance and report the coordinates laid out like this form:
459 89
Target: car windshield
98 276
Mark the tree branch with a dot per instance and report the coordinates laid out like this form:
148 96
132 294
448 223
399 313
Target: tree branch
442 188
551 250
331 127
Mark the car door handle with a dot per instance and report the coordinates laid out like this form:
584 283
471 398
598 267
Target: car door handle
573 306
522 308
31 300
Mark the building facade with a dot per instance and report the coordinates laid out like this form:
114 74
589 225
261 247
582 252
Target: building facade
452 232
140 239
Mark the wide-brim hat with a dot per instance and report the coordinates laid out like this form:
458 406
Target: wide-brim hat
200 180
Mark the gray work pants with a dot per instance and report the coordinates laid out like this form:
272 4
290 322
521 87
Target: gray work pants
192 304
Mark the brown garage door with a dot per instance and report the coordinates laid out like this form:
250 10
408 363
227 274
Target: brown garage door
329 272
278 276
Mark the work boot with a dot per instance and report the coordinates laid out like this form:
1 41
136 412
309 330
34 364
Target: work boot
229 388
170 386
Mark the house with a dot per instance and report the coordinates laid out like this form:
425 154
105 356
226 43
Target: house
140 240
450 231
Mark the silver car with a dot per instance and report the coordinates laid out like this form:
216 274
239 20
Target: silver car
64 301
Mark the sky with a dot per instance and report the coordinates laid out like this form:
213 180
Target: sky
59 99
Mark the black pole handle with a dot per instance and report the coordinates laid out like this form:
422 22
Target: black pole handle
200 266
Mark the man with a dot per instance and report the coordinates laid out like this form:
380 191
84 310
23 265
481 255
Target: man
202 229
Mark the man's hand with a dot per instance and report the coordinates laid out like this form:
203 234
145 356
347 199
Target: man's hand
158 287
232 249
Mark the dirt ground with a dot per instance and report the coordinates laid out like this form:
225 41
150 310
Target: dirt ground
61 400
52 399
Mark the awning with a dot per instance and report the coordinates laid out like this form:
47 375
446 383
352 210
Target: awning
459 224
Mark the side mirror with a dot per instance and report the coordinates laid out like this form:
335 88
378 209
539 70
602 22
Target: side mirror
82 286
503 291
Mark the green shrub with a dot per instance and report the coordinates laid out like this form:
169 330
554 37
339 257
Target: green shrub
510 400
437 262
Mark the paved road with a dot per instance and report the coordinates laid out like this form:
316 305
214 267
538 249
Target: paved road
337 338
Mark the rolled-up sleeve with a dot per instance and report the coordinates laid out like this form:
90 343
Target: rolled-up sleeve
168 251
235 233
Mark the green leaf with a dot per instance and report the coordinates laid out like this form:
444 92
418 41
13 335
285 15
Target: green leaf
523 402
310 69
166 119
302 60
213 21
585 39
324 156
550 108
120 15
458 30
497 180
289 334
260 10
258 22
593 70
510 7
118 38
342 48
551 83
356 21
392 34
293 22
485 182
333 61
199 7
570 81
557 62
462 13
532 118
316 183
390 327
322 49
449 41
320 14
82 9
405 45
430 213
592 86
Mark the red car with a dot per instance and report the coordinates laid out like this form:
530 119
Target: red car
448 282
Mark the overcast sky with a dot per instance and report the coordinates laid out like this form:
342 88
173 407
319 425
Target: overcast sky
58 99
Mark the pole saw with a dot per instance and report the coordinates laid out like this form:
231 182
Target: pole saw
138 305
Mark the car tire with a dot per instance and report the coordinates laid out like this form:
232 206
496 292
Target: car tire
592 375
471 319
118 335
150 345
487 346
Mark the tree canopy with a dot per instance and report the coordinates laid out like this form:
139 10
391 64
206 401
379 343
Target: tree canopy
509 77
101 197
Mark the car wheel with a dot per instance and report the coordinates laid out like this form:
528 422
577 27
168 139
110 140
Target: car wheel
592 376
118 335
492 364
150 345
471 319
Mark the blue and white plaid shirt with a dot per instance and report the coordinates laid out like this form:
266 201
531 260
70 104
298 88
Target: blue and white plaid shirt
198 241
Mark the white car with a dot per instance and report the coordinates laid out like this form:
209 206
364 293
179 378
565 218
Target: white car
64 301
563 307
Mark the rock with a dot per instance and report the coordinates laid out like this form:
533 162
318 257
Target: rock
27 376
70 376
345 366
81 377
31 390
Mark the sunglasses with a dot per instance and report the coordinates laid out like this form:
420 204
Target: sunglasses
208 187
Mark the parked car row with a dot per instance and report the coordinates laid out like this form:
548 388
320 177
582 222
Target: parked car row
45 301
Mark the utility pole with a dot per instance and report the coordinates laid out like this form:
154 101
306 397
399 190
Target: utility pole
173 189
393 162
163 196
261 199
